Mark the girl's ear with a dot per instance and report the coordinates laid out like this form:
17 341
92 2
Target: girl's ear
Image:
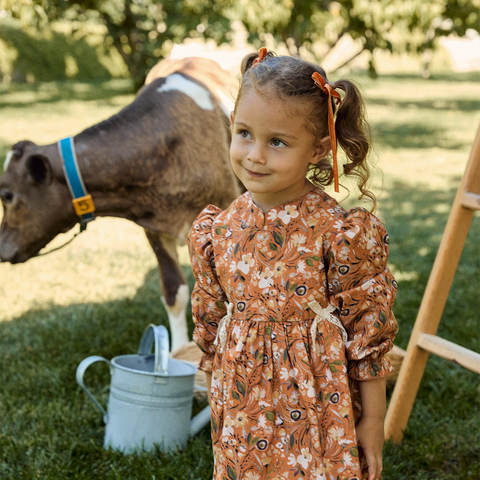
322 147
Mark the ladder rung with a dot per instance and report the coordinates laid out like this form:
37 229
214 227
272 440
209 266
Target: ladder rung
451 351
471 201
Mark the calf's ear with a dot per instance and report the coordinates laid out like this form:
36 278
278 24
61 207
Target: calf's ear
39 169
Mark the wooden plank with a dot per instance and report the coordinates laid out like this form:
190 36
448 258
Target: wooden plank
451 351
471 201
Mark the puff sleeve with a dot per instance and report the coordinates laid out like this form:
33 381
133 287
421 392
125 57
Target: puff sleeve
363 290
207 296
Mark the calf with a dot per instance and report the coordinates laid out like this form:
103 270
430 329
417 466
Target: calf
157 162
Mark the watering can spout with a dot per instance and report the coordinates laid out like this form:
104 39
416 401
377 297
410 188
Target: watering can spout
199 421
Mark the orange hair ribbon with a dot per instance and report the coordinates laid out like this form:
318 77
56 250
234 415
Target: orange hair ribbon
331 92
262 53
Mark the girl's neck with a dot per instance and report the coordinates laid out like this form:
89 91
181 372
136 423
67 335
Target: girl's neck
267 202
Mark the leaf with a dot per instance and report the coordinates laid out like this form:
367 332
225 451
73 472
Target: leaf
354 452
309 262
268 330
383 317
292 441
241 387
278 238
273 247
376 325
220 304
333 368
235 395
237 248
214 425
218 231
232 475
270 416
316 258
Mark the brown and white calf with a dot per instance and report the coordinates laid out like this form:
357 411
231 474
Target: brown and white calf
157 162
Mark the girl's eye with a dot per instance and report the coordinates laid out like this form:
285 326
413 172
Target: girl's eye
278 143
244 133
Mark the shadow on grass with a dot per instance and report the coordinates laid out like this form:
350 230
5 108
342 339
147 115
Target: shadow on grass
52 92
51 429
454 77
414 136
440 105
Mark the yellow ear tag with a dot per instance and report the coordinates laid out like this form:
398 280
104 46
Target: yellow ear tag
83 205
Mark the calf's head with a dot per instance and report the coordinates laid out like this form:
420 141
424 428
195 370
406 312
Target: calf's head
36 203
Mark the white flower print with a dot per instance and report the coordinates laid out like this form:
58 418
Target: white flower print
301 266
291 459
336 433
265 278
338 224
289 213
353 232
347 459
272 214
246 263
233 267
262 421
298 239
305 458
310 390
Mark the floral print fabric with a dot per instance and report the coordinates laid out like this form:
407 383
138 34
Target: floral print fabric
285 399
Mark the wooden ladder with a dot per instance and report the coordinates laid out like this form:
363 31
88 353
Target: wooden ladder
423 340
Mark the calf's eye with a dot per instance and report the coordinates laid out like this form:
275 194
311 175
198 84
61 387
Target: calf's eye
6 196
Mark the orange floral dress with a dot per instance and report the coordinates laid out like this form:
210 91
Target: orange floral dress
291 308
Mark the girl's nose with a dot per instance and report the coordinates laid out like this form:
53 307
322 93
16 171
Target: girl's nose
256 154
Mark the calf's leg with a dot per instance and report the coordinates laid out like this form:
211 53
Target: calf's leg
173 284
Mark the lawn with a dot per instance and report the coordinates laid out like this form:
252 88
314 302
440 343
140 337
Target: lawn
97 295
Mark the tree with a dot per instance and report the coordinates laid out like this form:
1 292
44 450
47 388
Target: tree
142 31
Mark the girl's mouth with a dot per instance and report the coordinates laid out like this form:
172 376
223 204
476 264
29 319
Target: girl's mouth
255 174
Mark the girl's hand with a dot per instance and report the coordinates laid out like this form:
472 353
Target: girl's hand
370 428
370 436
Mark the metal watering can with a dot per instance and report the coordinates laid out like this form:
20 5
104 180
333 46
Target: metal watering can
150 399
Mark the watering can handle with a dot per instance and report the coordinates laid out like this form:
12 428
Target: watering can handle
81 369
159 334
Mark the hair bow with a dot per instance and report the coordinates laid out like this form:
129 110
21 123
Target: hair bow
331 92
262 53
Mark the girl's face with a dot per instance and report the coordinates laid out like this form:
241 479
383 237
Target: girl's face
271 149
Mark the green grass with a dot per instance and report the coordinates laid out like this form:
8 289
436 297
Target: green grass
97 295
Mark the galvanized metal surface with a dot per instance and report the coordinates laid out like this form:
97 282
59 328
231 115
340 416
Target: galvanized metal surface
150 399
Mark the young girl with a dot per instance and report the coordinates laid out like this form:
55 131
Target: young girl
293 298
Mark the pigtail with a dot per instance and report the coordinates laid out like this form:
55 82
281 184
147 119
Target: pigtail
353 135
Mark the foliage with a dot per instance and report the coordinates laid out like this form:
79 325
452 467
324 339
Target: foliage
393 25
96 296
142 31
53 55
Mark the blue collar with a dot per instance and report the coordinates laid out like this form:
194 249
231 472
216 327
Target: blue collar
82 201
